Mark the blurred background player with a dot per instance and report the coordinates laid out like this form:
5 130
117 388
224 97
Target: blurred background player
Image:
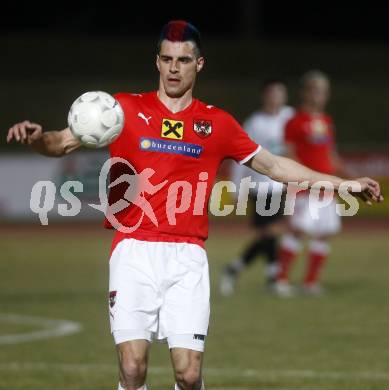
309 138
266 127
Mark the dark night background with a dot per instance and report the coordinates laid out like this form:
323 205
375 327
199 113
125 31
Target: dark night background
53 53
266 19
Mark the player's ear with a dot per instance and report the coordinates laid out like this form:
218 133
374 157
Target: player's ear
157 62
200 64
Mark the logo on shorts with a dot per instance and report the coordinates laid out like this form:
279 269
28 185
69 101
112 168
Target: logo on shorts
112 298
199 337
172 129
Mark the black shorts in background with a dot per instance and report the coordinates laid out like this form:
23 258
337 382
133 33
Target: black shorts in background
264 220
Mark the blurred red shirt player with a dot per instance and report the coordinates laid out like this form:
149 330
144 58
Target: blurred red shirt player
310 139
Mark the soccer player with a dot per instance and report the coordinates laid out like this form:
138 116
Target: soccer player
310 139
159 283
266 127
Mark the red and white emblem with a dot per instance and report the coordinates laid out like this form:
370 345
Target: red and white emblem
112 298
202 127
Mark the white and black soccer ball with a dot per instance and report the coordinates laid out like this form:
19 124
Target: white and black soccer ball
96 119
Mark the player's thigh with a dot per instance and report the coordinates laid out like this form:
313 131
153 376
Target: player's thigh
186 307
314 221
301 221
185 360
134 302
331 223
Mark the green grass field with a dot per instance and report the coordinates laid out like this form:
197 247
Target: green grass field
339 341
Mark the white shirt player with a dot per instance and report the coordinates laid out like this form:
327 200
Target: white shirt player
268 131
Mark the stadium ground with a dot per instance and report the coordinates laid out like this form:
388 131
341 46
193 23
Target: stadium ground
256 341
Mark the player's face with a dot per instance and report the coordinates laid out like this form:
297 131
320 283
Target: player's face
316 93
274 96
178 67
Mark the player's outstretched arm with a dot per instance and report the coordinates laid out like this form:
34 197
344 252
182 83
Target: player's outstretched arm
285 170
51 143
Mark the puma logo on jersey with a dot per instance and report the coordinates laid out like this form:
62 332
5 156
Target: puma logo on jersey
142 116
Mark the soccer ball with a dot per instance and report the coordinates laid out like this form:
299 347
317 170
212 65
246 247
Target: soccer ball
96 119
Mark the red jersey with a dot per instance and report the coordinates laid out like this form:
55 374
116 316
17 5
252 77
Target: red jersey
182 149
312 136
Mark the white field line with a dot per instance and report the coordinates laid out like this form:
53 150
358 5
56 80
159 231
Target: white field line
260 374
49 328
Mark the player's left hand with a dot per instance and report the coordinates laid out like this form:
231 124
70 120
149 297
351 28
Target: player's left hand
370 191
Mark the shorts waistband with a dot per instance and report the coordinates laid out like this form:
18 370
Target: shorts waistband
155 237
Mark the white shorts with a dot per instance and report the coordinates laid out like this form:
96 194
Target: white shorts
159 290
313 220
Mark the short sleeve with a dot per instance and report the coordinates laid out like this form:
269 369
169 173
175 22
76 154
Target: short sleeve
238 145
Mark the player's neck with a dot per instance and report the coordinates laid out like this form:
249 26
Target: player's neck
311 109
175 104
270 110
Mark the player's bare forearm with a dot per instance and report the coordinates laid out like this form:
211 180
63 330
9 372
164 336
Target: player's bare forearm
288 170
336 161
55 143
51 143
285 170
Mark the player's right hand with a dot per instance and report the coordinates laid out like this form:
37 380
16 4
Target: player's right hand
370 190
25 132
